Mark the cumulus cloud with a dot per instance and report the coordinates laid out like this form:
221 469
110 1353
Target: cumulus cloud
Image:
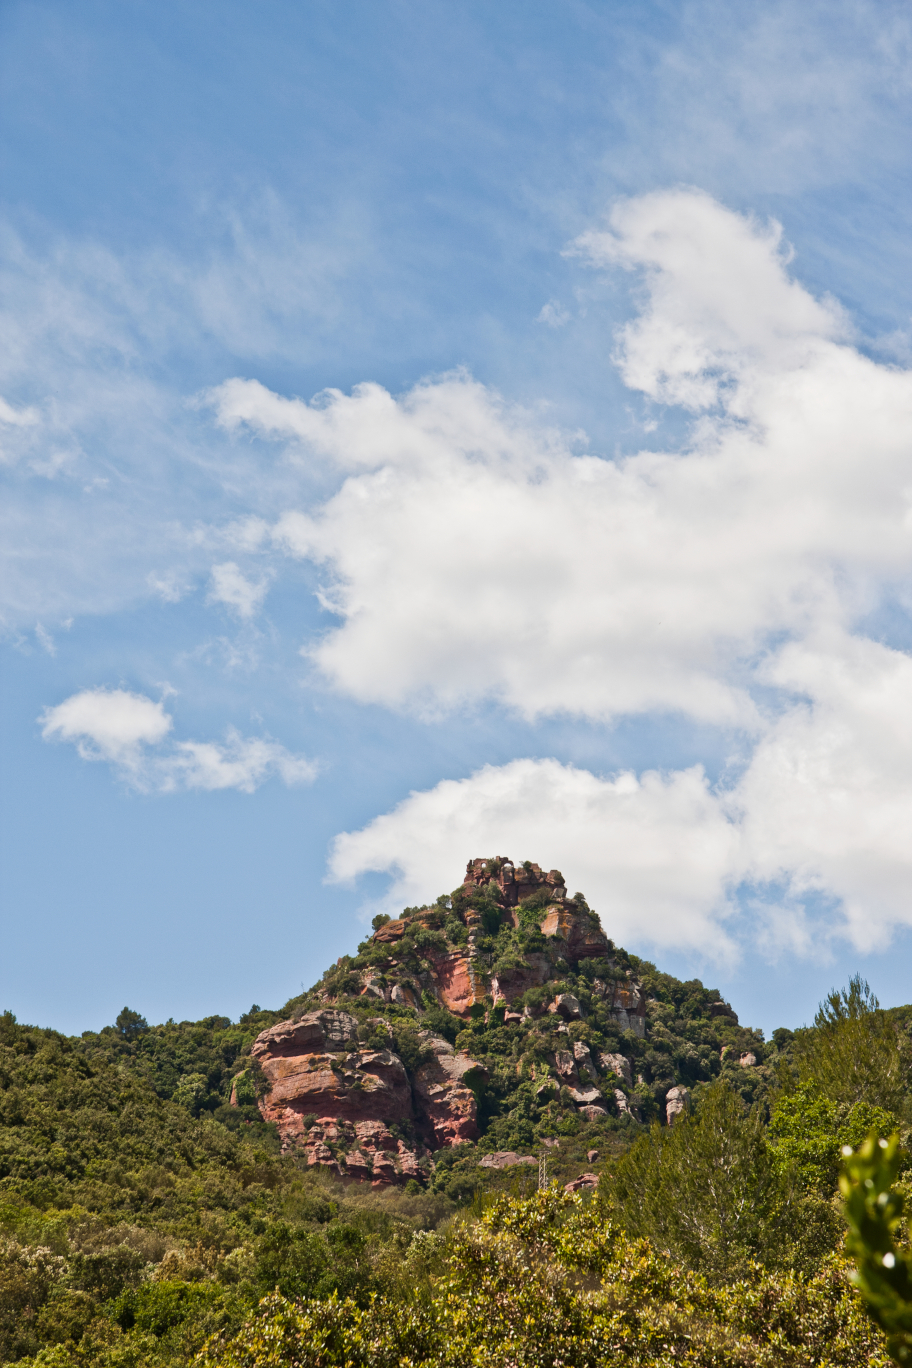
720 303
653 853
471 552
107 724
122 728
807 844
230 586
825 804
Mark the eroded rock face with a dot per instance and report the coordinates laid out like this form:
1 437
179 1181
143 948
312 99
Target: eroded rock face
328 1030
567 1006
444 1095
364 1150
627 1002
347 1083
583 937
335 1099
458 982
512 983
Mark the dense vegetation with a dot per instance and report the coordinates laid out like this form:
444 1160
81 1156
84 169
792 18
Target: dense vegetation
144 1219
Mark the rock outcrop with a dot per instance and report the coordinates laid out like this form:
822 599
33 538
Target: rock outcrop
314 1068
335 1100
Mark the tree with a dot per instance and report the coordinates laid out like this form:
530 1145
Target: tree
130 1024
809 1132
853 1055
706 1189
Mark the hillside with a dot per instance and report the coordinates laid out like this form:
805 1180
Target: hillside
500 1017
156 1181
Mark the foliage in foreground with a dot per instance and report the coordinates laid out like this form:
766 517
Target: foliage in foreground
546 1281
877 1234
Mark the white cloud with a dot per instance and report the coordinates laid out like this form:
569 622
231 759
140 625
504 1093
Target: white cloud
45 638
167 587
821 813
242 763
121 727
473 553
229 586
107 724
721 305
652 854
826 802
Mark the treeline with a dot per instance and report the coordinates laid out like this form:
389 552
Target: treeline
144 1220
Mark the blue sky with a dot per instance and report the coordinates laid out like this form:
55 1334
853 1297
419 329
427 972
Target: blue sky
630 531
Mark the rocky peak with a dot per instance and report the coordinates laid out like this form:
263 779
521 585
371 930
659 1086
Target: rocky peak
351 1091
515 883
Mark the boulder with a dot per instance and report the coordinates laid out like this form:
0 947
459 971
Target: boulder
317 1031
390 932
747 1061
584 1183
677 1101
567 1006
586 1097
592 1156
722 1009
583 1059
617 1064
505 1159
565 1064
625 1106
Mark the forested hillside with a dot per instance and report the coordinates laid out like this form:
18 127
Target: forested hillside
147 1209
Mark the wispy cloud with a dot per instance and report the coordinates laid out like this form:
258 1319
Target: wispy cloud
229 586
128 731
